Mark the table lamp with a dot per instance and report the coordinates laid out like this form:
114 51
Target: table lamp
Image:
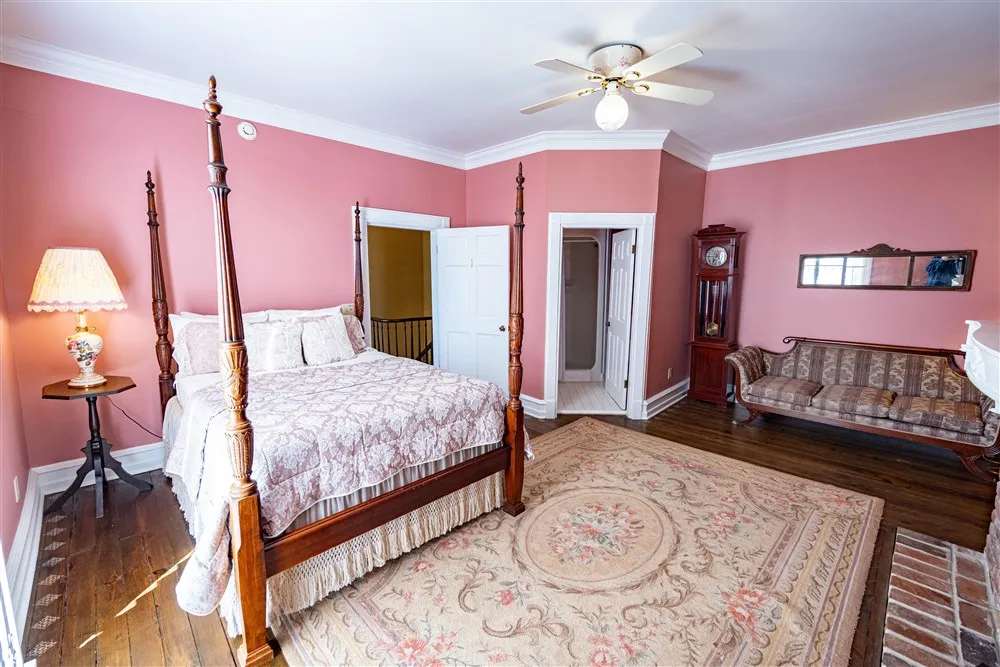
77 280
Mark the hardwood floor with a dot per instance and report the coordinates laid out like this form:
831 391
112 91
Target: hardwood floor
95 601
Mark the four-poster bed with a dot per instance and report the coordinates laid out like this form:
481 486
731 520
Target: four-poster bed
254 556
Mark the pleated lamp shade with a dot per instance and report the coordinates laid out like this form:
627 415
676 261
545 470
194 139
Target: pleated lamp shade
74 280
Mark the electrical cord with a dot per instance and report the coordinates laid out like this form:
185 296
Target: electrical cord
129 417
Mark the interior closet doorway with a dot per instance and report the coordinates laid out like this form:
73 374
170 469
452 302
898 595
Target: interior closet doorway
583 324
597 312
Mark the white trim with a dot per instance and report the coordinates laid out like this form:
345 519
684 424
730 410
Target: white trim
57 477
577 375
533 407
41 57
686 150
24 552
639 343
596 140
951 121
382 217
656 404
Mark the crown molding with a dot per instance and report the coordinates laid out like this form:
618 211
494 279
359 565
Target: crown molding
942 123
596 140
686 150
41 57
29 54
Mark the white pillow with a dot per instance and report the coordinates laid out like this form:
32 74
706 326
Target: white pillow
298 314
194 348
325 340
274 346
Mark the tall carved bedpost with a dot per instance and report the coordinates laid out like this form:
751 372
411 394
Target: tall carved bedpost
359 285
514 476
160 309
244 503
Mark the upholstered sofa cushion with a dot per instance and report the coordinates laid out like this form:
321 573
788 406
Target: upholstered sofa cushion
854 400
938 413
788 390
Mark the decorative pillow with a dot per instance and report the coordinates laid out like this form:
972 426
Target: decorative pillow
201 342
274 346
356 333
299 314
325 340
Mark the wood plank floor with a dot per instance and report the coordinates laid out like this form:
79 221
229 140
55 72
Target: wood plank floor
93 603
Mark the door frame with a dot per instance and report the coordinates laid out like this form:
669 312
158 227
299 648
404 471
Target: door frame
643 223
381 217
596 372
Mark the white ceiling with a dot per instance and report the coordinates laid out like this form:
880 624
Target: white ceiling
453 75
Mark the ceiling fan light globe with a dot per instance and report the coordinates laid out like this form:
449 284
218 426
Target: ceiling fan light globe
611 112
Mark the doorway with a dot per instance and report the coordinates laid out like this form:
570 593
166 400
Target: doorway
614 335
596 320
398 273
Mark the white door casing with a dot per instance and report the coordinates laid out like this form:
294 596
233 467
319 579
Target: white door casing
619 315
472 296
643 223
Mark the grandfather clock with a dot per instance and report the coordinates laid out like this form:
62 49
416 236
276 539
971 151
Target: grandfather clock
715 309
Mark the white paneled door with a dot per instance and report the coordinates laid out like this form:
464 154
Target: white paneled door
473 301
619 315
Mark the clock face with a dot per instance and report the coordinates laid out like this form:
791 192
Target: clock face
716 256
247 131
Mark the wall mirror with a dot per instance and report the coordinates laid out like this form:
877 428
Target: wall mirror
885 267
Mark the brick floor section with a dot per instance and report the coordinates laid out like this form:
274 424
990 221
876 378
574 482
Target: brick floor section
938 612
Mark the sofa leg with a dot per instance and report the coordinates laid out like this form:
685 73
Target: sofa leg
971 464
753 414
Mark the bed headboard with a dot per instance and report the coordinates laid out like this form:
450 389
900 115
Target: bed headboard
164 350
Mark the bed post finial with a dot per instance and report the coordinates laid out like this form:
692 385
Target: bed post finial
514 435
164 350
359 286
244 503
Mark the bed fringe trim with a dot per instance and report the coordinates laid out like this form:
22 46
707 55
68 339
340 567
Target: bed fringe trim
309 582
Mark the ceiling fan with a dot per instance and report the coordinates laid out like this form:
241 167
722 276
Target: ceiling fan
621 66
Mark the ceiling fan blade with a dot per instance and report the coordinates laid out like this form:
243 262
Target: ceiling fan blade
564 67
677 54
556 101
667 91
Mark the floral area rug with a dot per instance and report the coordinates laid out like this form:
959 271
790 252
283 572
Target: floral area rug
633 550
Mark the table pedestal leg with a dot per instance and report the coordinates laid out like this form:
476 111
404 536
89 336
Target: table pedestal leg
97 453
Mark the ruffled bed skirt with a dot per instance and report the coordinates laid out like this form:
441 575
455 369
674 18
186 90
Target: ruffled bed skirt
309 582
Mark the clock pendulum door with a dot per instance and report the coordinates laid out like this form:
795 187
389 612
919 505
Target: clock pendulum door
715 283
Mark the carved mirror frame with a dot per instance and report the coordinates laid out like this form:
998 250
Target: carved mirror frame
885 250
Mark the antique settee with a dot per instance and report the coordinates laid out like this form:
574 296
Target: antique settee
913 393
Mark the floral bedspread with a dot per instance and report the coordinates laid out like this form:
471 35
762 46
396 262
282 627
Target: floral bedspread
320 432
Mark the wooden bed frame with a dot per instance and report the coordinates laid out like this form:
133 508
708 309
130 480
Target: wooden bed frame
254 560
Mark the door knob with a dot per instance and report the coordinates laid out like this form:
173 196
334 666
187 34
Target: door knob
503 328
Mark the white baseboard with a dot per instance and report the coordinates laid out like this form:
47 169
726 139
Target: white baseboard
24 552
57 477
45 480
654 405
533 407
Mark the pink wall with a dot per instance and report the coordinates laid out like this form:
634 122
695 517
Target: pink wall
73 164
556 181
932 193
13 446
679 211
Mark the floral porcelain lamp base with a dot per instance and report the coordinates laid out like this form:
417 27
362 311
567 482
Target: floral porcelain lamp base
84 345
